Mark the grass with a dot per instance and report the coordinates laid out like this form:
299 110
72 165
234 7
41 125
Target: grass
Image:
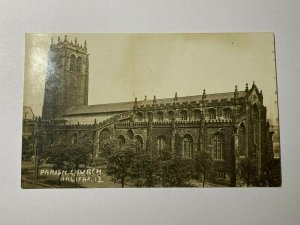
52 181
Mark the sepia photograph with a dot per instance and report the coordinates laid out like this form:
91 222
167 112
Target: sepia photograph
150 110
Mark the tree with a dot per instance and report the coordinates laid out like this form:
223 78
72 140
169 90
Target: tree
58 157
107 147
271 173
78 154
120 164
248 170
66 156
144 169
27 148
175 171
203 165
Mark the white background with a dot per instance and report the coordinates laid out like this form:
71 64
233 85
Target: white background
148 206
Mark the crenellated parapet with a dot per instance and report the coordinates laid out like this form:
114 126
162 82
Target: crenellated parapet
65 43
125 117
129 124
218 120
79 127
223 106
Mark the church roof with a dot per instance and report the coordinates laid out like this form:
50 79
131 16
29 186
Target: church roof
126 106
101 108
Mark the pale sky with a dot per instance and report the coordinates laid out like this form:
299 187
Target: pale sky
125 66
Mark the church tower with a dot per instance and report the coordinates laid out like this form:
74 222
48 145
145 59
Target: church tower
67 78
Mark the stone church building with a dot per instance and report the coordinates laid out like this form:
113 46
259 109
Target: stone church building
231 125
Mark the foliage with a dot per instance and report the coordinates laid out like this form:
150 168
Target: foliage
271 173
248 170
175 171
203 165
78 154
27 148
66 156
107 147
144 169
120 163
58 157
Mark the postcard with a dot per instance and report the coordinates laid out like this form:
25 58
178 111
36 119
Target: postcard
152 110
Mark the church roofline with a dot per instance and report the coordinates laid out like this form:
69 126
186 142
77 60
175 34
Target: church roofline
126 106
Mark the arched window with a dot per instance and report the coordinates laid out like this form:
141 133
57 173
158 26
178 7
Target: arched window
73 63
227 113
140 116
79 65
74 138
160 116
121 141
171 115
150 116
187 147
139 142
212 114
242 140
197 114
104 135
255 112
130 134
217 146
161 144
183 115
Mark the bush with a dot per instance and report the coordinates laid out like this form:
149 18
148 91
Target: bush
175 171
271 173
119 166
144 169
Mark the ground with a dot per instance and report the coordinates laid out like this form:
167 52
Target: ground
51 181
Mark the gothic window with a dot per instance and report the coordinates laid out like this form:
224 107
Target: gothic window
197 114
150 116
187 147
75 138
217 147
255 113
139 142
79 65
242 140
171 115
183 114
212 114
161 144
140 116
227 113
160 116
121 141
104 135
130 134
73 63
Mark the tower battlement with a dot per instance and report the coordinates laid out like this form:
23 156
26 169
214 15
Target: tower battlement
66 43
